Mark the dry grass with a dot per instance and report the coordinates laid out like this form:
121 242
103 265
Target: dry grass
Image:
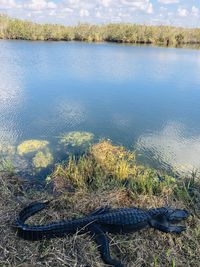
144 248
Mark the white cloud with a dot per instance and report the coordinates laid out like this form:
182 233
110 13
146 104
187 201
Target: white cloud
98 14
195 11
103 11
105 3
150 9
52 13
7 4
166 2
142 5
84 13
40 5
182 12
68 10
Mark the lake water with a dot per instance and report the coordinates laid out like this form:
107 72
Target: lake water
146 98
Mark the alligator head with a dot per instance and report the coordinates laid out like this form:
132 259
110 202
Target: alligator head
164 219
176 215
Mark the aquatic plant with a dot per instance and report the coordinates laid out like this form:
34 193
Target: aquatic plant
42 159
30 146
76 139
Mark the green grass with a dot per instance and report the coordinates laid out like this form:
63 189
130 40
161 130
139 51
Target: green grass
6 166
109 166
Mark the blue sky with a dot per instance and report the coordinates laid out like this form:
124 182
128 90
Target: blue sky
69 12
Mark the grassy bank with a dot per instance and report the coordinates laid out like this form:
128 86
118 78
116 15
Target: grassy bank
11 28
105 175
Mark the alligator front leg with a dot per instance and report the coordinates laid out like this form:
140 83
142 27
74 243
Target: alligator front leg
167 228
103 245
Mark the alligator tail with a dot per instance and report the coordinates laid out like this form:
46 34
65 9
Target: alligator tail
29 211
51 230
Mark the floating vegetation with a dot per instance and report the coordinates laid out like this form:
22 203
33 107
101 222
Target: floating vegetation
77 139
31 146
42 159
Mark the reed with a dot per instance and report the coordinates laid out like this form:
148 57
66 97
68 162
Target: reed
11 28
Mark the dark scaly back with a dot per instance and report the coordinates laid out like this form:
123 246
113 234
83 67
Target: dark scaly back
157 211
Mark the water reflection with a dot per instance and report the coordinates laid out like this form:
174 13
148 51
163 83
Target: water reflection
11 96
172 147
119 92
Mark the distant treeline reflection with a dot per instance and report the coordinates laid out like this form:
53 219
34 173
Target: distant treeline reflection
11 28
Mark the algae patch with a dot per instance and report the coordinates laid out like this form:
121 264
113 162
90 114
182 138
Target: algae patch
37 152
31 146
77 139
42 159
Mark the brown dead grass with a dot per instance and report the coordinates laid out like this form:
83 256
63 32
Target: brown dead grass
144 248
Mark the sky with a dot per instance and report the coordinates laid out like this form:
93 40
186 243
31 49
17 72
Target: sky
184 13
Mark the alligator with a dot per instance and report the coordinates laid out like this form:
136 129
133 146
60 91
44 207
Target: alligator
100 222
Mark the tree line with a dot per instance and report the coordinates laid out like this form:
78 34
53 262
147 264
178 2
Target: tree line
11 28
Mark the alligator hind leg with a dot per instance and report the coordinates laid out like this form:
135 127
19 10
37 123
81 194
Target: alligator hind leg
103 245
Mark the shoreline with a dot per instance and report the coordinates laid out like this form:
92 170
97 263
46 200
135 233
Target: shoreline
185 46
73 195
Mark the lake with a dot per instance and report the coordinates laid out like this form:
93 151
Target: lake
145 98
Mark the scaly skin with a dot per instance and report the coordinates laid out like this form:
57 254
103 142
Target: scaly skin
99 222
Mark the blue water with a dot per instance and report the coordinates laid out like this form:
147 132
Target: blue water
146 98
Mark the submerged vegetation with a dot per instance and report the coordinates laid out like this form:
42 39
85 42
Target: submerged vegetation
42 159
106 175
37 151
31 146
76 139
123 33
